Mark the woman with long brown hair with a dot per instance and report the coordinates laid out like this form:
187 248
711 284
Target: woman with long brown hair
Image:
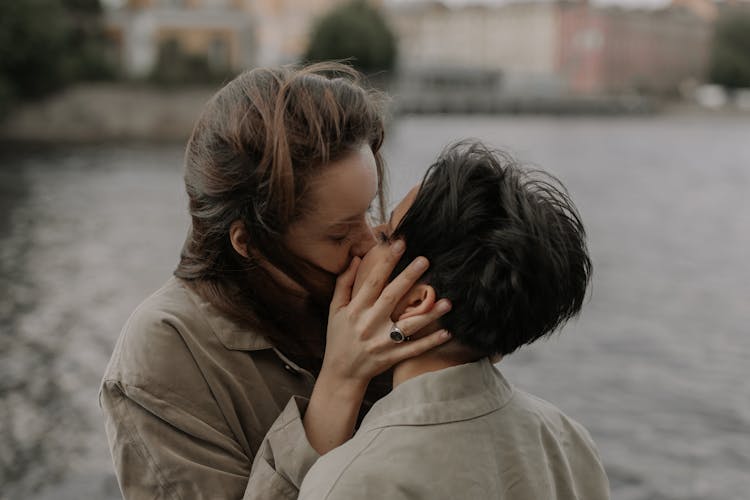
255 358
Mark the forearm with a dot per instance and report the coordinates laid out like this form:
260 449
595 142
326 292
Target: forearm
332 412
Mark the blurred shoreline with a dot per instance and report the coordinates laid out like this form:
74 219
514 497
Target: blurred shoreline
112 112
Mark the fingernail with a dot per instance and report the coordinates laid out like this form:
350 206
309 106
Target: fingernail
398 247
420 264
444 306
446 334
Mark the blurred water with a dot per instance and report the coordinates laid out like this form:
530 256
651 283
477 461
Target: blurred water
656 367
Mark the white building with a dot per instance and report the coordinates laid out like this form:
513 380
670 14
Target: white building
520 40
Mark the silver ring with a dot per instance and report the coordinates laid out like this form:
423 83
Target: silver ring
397 335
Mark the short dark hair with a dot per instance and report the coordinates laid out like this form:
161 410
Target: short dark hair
506 245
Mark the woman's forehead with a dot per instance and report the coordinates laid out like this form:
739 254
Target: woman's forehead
345 189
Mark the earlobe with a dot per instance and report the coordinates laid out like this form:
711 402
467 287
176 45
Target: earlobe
419 300
239 237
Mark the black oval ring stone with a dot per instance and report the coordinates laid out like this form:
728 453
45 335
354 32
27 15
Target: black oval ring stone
397 336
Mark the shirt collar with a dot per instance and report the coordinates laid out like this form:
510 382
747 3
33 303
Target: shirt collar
229 333
448 395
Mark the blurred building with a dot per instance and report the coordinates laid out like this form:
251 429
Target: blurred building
556 47
617 51
709 10
230 34
219 30
283 27
520 40
705 9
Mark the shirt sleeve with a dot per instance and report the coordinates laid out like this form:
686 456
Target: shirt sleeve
162 451
284 456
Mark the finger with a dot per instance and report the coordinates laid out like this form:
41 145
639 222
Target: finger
396 289
378 275
414 348
342 294
413 324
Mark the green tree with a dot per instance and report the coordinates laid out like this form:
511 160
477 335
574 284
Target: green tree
355 31
87 56
32 40
730 54
46 44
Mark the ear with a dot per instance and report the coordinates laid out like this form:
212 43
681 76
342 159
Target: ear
419 300
239 237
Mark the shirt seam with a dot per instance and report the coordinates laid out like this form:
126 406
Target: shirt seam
511 394
145 390
149 383
142 449
355 457
443 421
193 298
452 401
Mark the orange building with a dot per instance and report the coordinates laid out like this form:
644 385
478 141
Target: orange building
230 34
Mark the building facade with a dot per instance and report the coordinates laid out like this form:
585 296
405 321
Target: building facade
219 30
620 51
554 47
517 40
230 34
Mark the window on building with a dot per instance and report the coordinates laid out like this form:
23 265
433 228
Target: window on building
169 49
218 54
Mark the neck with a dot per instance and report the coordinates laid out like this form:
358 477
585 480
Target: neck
438 358
419 365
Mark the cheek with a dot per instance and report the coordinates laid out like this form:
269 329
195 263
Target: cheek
330 257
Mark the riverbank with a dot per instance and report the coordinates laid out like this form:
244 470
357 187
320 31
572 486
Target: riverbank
107 113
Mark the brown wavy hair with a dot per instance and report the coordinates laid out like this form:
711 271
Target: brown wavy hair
252 154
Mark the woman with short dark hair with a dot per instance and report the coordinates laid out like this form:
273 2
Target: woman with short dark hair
508 248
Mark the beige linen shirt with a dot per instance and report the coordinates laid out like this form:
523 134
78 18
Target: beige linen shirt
461 433
190 399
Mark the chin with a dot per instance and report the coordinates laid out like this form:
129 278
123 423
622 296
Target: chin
341 268
321 283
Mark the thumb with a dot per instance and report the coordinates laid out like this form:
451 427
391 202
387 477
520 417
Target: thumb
342 294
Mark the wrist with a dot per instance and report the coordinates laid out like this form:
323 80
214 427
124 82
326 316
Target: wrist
332 412
340 389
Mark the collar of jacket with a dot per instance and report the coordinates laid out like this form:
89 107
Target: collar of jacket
229 333
449 395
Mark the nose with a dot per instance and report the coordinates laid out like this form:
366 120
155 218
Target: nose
364 242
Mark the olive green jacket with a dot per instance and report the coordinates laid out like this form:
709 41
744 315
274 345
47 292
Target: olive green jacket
189 400
461 433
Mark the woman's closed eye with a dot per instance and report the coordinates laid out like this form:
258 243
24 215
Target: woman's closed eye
339 238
